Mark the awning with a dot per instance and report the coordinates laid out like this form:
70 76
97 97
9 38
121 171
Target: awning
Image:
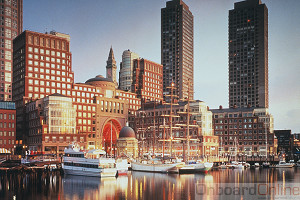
3 150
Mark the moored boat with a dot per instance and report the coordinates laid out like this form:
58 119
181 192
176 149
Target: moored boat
94 163
196 167
122 166
266 165
283 164
151 166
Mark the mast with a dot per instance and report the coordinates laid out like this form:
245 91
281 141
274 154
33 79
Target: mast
188 123
266 132
111 139
170 120
154 131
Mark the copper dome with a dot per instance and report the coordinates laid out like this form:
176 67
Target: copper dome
126 131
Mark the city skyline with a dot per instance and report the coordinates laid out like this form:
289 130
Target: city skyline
92 35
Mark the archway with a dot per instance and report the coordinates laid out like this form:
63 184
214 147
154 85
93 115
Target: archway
111 132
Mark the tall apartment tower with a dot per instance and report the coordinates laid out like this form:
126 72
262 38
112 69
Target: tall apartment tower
111 67
248 55
126 70
177 48
11 25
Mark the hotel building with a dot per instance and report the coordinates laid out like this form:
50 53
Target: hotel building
42 66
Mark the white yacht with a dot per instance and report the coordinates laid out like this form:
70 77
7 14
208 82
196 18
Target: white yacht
283 164
93 163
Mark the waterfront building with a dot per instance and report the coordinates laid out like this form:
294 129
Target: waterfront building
7 125
285 142
147 81
127 144
42 66
248 55
245 131
11 25
177 49
126 70
154 121
51 125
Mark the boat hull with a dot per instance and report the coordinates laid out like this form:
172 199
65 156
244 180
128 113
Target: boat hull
196 168
80 171
284 166
161 168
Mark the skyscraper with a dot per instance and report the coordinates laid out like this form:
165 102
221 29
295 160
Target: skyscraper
248 54
11 25
177 48
126 70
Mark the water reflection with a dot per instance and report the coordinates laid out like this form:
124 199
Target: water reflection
137 185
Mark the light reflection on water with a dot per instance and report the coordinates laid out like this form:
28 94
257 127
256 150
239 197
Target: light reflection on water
137 185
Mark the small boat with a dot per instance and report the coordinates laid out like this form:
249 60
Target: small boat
94 163
283 164
154 166
223 166
235 165
196 167
256 165
245 164
298 163
266 164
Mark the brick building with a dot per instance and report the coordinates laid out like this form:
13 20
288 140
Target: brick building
42 66
245 131
147 80
7 125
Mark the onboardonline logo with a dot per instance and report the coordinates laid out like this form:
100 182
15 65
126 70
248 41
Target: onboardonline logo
279 190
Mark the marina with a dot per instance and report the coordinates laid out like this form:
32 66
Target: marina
144 185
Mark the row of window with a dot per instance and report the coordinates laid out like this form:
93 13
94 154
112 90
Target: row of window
7 141
61 139
9 133
7 125
7 116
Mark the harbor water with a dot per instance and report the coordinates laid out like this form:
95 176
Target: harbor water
249 183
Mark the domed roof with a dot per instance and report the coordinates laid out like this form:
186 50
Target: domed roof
126 131
98 78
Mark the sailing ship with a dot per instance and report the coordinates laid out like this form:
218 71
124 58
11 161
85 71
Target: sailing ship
192 166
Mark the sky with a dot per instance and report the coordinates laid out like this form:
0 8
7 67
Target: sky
96 25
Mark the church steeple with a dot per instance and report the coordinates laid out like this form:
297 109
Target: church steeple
111 67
